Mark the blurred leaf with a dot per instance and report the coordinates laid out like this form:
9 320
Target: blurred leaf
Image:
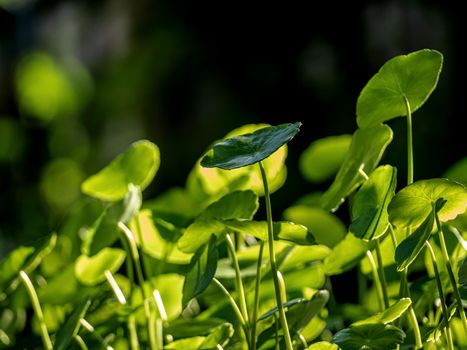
323 157
457 172
202 270
389 315
301 255
247 149
12 264
180 328
70 329
463 274
413 76
235 205
188 343
12 140
323 345
137 165
219 335
369 206
282 230
327 228
91 270
365 152
411 205
375 336
131 203
170 287
346 254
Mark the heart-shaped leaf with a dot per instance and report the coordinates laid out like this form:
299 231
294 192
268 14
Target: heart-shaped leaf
327 228
411 205
369 206
389 315
202 270
323 157
91 270
236 205
412 77
137 165
366 149
408 250
346 254
243 150
375 336
70 329
282 230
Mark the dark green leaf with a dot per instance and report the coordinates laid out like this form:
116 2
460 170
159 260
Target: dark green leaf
369 206
12 264
202 270
137 166
321 160
346 254
411 205
91 270
413 76
365 152
391 314
327 228
243 150
375 336
70 329
181 328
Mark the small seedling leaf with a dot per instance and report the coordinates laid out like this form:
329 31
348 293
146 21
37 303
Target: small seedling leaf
323 157
369 337
91 270
366 149
202 270
247 149
137 165
411 205
389 315
413 76
70 329
369 206
346 254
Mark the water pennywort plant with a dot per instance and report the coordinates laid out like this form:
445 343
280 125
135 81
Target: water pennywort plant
188 269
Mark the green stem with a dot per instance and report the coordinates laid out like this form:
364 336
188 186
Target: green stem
80 342
382 275
447 260
409 142
134 343
254 316
37 310
416 330
115 287
272 259
238 277
139 275
441 295
234 306
376 279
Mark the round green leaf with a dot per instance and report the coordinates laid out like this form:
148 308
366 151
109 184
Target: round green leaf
412 77
327 228
243 150
137 166
346 254
91 270
369 206
365 152
389 315
323 345
321 160
369 337
411 205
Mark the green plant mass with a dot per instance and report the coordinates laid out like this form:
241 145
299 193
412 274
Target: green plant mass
210 266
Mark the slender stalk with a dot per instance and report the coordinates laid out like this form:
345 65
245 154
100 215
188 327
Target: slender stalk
376 279
115 288
238 277
272 259
37 310
409 142
80 342
134 343
416 330
447 261
139 275
382 275
441 295
234 306
254 316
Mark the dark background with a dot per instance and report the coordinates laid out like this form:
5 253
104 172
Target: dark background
184 73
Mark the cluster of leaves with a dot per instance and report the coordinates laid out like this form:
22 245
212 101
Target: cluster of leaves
187 270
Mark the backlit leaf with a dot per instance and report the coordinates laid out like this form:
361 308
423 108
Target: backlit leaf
413 76
91 270
219 335
391 314
375 336
346 254
365 152
458 172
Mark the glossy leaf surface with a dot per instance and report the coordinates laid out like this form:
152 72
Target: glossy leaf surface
369 337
